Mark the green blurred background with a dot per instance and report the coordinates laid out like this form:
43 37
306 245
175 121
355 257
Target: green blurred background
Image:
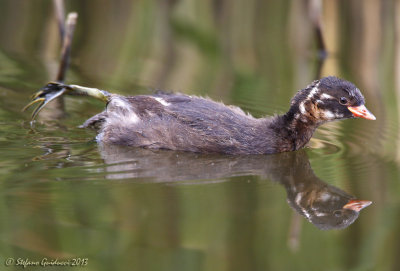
58 200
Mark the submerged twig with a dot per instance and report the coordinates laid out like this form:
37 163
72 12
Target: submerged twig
293 239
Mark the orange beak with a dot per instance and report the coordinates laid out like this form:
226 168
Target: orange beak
357 205
361 111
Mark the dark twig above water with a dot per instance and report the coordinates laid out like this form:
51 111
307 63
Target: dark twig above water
66 31
66 45
59 10
315 13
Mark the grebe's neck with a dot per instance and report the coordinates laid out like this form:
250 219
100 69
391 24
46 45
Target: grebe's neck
299 128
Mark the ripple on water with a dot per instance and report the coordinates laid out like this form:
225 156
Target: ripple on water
324 147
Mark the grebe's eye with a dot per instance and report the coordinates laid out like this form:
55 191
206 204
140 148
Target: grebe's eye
343 101
338 213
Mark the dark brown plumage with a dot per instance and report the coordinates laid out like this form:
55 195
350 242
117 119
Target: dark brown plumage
189 123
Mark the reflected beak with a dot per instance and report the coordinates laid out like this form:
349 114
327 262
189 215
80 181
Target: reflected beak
357 205
361 111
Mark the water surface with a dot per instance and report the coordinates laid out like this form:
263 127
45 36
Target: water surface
63 196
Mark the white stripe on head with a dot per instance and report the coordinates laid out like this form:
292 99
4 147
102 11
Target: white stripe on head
310 95
162 101
302 108
329 115
326 96
313 91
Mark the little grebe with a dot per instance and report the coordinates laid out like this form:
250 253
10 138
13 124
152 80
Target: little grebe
190 123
